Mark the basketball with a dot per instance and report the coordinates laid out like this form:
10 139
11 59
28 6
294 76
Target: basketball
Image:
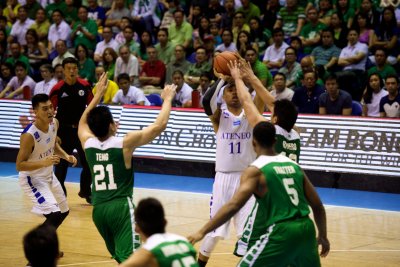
221 62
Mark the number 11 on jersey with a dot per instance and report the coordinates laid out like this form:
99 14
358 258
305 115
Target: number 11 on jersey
234 148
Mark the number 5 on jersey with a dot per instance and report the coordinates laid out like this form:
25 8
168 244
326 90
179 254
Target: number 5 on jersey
100 175
292 192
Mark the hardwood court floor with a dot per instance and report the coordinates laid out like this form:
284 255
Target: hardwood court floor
359 237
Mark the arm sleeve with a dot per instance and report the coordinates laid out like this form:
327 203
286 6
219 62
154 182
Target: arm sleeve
210 97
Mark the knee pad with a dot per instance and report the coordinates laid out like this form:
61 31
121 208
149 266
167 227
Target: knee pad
208 245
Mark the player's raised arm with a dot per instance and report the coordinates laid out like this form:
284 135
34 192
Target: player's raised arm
210 103
83 129
250 109
135 139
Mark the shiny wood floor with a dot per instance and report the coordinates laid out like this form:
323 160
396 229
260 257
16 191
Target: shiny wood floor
359 237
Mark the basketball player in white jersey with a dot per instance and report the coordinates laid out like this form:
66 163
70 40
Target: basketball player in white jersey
38 152
233 154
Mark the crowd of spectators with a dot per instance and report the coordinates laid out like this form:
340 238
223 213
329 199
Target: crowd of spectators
327 56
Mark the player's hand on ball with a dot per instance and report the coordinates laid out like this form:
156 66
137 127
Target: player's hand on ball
234 68
71 159
169 92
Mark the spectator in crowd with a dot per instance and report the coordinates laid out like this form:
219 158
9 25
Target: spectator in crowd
36 52
325 11
297 44
390 105
334 101
84 30
153 70
306 65
291 19
259 69
144 16
353 59
109 59
129 40
97 13
362 25
128 94
86 63
270 12
108 41
41 246
181 31
306 97
62 51
227 17
227 42
279 89
58 72
243 42
339 29
45 86
56 5
346 12
275 54
11 10
41 25
373 95
120 36
20 27
6 73
310 33
59 30
21 86
168 18
386 35
183 97
195 14
205 82
382 67
16 55
71 13
326 54
112 87
192 75
215 11
127 63
164 48
214 31
145 41
116 15
259 35
249 10
291 69
180 63
239 24
3 45
373 16
70 98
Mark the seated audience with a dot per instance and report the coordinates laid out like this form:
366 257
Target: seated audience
180 63
274 56
108 41
127 63
86 63
192 75
20 27
109 59
279 90
59 30
227 42
165 49
306 97
373 95
311 31
334 101
16 55
292 68
45 86
128 94
21 86
390 105
112 87
183 97
62 51
153 70
326 54
259 69
84 30
382 67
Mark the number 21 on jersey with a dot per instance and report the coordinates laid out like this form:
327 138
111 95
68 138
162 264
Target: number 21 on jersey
99 176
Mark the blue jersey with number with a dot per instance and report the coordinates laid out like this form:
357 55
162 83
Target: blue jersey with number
110 178
234 148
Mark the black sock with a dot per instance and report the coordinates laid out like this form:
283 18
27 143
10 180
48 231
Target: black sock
201 263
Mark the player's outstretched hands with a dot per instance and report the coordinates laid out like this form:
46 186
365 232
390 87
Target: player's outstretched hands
246 70
52 160
326 246
168 92
102 84
71 159
234 68
196 237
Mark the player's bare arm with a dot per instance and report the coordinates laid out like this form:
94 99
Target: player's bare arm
26 147
135 139
142 257
248 185
60 152
319 215
252 113
84 132
210 104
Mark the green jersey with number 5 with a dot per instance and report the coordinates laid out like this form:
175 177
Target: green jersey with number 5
287 143
110 178
285 197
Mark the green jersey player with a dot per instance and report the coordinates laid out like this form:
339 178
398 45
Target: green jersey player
284 192
109 159
159 249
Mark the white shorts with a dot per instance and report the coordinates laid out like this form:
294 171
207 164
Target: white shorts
45 193
225 186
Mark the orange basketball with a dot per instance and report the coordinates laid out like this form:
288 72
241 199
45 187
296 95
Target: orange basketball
221 62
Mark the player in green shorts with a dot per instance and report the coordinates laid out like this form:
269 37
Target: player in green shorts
159 249
283 192
109 159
